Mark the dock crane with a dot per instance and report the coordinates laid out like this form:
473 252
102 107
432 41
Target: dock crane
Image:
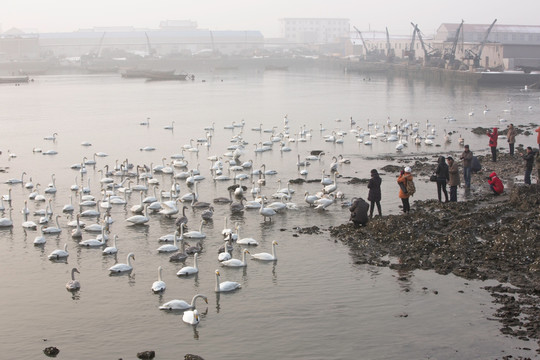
151 51
476 56
390 53
450 54
369 53
411 53
429 54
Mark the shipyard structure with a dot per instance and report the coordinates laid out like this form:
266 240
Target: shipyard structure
303 42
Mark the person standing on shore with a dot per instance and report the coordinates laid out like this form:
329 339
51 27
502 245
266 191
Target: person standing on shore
453 182
404 176
538 137
495 183
529 159
493 136
467 157
374 194
511 138
442 177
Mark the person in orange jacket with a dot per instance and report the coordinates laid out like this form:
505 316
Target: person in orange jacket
495 183
404 176
538 137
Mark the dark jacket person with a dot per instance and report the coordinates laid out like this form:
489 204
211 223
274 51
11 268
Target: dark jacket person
374 195
359 212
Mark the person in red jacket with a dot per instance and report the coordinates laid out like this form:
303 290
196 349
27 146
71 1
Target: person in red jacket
537 137
493 136
495 183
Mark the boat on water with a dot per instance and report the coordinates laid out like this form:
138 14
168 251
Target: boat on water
168 77
145 73
13 79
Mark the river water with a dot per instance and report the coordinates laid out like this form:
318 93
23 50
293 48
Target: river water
314 302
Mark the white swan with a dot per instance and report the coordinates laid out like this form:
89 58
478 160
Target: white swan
196 234
170 247
245 241
266 256
40 239
16 181
236 262
118 268
266 212
6 222
73 285
94 242
59 254
111 250
53 229
226 285
191 317
77 232
181 304
225 255
139 219
159 285
28 224
189 270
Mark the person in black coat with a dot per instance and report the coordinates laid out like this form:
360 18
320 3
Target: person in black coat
442 177
359 210
374 194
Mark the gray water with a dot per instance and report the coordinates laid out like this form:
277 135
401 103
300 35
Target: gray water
314 302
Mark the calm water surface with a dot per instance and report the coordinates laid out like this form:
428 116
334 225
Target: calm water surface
314 303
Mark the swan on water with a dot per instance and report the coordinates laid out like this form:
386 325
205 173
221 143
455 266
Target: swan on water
53 229
189 270
196 234
226 285
181 304
139 219
170 247
237 262
73 285
246 240
59 254
191 317
118 268
111 250
266 256
159 285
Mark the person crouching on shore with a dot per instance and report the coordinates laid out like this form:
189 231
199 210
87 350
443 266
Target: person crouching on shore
359 212
495 183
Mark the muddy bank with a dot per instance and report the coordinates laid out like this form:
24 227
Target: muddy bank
484 237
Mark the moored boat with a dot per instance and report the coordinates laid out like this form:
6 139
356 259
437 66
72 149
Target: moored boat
12 79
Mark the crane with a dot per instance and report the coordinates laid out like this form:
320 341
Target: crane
411 53
363 42
450 54
390 53
476 56
151 52
428 54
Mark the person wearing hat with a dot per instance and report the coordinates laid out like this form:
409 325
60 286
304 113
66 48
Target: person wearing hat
467 157
454 181
374 194
404 176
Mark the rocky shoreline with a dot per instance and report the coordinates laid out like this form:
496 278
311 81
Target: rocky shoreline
481 237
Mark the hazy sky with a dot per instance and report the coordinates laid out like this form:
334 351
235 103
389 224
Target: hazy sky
263 15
